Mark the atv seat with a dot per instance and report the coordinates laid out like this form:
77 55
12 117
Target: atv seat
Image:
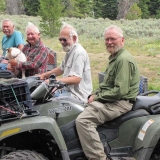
149 103
115 123
52 60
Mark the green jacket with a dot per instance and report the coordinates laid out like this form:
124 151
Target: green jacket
121 79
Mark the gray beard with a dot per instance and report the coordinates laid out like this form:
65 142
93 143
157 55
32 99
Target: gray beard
67 48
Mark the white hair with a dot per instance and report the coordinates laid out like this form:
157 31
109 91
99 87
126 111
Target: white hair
118 29
72 30
32 26
7 20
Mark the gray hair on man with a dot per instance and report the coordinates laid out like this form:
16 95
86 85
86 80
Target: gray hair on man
73 31
32 26
7 20
118 29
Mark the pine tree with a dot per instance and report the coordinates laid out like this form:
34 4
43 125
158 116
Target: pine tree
70 8
143 4
98 8
50 12
110 9
85 7
154 8
31 7
106 9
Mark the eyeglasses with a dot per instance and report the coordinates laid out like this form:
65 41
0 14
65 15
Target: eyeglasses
63 39
111 39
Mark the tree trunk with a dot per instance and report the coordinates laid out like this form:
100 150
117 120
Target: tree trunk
14 7
123 7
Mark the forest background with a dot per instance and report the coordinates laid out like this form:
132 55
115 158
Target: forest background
139 19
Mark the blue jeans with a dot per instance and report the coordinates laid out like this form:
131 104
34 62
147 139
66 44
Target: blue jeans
63 94
3 66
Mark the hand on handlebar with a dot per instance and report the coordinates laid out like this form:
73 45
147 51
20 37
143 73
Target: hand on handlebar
47 81
41 76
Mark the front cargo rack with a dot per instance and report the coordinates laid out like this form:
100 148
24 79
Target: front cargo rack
15 100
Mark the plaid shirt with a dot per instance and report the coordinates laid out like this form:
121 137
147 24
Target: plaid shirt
37 59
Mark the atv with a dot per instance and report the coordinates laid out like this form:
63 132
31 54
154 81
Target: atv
37 126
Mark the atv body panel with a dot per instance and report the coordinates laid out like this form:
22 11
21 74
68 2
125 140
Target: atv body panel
38 122
48 125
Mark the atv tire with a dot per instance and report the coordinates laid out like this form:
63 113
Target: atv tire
24 155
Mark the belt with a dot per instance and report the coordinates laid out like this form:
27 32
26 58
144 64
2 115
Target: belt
130 101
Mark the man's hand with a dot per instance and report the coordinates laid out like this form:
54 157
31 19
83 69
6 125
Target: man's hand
13 62
10 68
41 76
91 99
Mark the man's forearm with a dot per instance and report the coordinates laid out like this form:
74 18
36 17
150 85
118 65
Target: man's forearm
56 71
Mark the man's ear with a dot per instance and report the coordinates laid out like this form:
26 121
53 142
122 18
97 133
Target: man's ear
39 35
74 38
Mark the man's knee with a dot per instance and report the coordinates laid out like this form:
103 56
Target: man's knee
78 120
81 119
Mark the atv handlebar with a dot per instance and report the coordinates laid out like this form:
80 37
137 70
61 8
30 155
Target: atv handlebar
149 92
43 91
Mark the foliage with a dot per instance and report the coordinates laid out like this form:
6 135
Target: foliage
141 39
134 12
96 8
85 7
110 10
50 12
31 7
157 14
77 8
105 9
154 8
91 8
70 9
2 6
143 4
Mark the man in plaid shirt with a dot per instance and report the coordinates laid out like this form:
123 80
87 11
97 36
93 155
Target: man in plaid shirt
35 51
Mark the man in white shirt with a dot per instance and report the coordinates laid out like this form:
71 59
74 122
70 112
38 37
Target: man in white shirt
75 67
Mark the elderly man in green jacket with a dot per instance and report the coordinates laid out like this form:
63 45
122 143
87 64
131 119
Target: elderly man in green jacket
114 97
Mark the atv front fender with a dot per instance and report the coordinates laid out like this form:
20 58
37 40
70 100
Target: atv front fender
149 133
29 124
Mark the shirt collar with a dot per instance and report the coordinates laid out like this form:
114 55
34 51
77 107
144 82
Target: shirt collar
36 45
116 55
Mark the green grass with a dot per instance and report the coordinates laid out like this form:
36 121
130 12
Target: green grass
142 39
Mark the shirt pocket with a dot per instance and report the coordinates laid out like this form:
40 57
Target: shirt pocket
110 78
67 70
